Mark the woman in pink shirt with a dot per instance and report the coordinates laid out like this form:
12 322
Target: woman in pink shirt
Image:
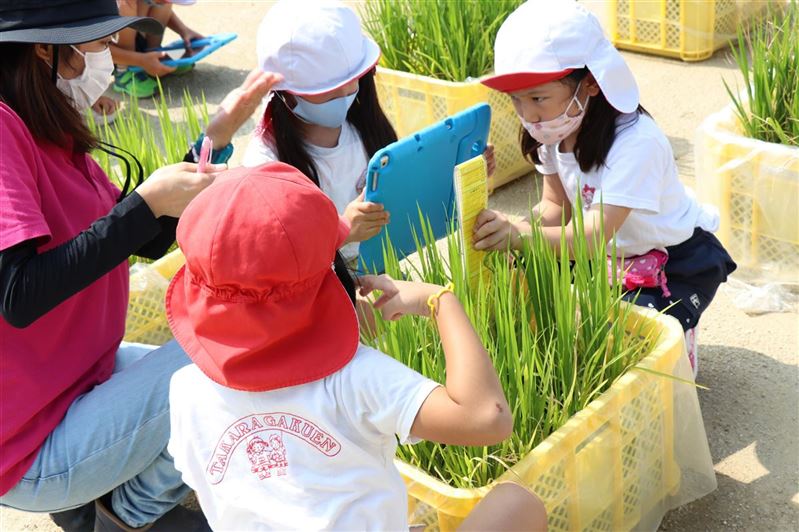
83 416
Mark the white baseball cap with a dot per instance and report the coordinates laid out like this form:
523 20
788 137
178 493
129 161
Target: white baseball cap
317 46
545 40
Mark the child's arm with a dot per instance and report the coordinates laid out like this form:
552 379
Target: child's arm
554 203
609 217
149 61
471 408
186 33
239 105
495 230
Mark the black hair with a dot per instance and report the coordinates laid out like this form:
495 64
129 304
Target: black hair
282 130
344 276
597 131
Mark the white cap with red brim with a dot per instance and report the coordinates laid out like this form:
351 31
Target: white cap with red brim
545 40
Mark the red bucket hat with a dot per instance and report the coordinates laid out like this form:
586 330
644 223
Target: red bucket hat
258 306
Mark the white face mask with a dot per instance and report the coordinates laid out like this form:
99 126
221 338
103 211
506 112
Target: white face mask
557 129
85 89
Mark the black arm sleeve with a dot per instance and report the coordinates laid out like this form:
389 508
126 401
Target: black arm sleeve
32 284
158 246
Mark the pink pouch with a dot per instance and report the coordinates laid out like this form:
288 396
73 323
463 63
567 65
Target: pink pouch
642 271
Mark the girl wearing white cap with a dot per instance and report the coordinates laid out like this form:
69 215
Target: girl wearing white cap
594 144
323 118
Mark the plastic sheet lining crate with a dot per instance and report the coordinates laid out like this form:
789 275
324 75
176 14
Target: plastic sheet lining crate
413 102
612 466
146 319
689 29
755 185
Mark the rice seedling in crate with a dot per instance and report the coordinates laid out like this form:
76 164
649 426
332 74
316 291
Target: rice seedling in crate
552 324
768 57
446 40
433 53
748 153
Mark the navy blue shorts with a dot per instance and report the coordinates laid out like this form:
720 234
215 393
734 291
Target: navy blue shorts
694 271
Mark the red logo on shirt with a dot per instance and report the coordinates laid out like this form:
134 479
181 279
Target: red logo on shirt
588 196
266 452
265 456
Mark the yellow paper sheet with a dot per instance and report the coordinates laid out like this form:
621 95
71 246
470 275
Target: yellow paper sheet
471 197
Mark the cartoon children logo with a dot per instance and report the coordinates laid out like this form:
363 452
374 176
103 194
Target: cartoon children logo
277 457
588 196
264 457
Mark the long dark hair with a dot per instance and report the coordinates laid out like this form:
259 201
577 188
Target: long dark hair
283 131
27 87
597 131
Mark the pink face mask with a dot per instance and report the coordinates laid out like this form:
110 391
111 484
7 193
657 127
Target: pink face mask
557 129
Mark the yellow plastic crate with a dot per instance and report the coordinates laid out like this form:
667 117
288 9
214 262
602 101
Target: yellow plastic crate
610 467
755 185
689 29
413 102
146 319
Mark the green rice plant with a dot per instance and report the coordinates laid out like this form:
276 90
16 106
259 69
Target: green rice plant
768 108
445 39
554 327
157 140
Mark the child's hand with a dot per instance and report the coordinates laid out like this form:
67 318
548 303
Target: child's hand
365 218
189 35
398 298
239 105
151 63
494 230
491 161
105 106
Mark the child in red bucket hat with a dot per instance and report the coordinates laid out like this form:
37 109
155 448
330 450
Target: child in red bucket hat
285 421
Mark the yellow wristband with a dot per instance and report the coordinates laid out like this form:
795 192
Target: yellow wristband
432 301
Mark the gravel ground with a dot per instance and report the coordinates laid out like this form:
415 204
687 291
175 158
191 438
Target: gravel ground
750 364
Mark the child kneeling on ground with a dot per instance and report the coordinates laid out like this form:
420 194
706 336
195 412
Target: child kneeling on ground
285 421
595 145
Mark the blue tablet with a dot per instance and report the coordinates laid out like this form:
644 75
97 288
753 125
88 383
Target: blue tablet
415 174
202 47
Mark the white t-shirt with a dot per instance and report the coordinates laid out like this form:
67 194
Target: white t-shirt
318 456
639 173
342 170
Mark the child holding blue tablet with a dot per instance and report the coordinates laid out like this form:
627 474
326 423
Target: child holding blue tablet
131 48
324 117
